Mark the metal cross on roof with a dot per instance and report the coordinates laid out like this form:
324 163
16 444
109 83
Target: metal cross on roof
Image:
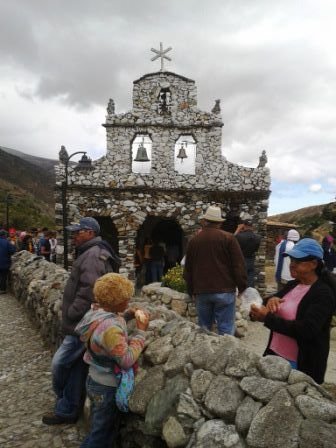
161 54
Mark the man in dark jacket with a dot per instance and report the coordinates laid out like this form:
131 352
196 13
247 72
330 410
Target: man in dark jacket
6 250
249 243
214 268
94 258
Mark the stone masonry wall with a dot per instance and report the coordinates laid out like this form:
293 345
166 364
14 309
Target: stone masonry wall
196 389
128 209
156 295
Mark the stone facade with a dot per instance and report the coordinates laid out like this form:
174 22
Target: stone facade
164 111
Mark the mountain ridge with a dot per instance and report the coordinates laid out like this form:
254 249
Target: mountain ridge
30 182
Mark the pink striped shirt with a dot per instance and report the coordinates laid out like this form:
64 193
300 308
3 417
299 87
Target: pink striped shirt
286 346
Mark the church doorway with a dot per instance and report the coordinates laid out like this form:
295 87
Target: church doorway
165 232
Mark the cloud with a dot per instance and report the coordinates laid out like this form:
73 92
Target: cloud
315 188
272 65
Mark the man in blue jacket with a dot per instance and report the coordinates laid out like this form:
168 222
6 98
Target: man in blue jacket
6 251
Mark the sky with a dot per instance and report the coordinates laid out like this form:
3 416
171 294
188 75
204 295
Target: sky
272 65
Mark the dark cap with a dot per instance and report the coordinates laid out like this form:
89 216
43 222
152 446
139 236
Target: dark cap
86 223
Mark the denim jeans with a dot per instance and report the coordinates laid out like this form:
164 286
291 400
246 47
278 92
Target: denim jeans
104 416
156 270
219 308
69 373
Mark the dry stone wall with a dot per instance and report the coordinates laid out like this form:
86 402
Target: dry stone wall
182 304
196 389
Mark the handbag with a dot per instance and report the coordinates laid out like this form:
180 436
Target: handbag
125 387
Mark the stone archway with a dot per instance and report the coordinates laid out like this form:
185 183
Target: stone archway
108 231
162 230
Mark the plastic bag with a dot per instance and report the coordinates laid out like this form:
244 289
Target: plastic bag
248 297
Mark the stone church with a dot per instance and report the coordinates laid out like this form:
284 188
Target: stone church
163 167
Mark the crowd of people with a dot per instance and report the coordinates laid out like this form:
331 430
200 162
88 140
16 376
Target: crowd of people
98 357
41 242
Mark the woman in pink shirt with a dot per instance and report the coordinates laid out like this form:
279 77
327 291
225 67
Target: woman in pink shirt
299 316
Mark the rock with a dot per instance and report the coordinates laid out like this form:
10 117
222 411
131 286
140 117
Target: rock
173 433
163 402
259 388
179 307
314 408
215 433
200 382
153 381
188 410
246 412
223 398
317 434
201 351
178 358
274 368
241 363
159 350
276 425
223 351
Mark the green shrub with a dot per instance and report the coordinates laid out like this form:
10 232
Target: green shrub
174 279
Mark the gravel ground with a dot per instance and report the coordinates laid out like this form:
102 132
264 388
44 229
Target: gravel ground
25 385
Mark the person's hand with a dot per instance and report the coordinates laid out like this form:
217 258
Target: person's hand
258 313
239 228
273 304
141 319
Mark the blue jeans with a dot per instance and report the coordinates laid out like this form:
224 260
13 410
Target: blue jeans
219 307
104 416
69 373
156 270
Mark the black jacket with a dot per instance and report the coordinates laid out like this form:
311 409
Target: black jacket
311 328
249 243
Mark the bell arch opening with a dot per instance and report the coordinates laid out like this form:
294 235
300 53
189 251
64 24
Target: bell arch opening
185 154
141 153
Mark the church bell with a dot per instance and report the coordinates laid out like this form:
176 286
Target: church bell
182 153
141 155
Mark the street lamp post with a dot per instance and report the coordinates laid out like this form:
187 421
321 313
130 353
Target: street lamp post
85 163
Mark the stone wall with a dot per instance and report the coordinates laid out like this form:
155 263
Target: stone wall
156 295
196 389
129 208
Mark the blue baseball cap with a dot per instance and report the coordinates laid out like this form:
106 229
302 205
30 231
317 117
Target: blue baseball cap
307 247
86 223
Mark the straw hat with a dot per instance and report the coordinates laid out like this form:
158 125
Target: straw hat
213 214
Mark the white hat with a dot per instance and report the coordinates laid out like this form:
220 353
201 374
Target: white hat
213 214
293 235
